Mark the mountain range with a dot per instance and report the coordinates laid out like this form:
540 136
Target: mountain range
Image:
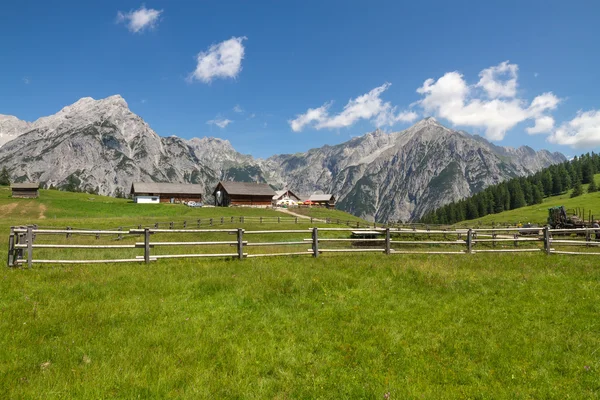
104 147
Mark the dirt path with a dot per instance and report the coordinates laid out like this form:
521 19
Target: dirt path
42 211
286 211
7 209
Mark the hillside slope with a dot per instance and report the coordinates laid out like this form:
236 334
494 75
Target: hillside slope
537 214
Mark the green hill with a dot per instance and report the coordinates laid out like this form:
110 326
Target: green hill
538 213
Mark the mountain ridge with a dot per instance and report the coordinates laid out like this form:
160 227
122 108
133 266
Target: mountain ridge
381 176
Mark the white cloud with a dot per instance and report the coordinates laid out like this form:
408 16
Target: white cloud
26 81
238 109
252 115
222 60
220 122
491 80
582 131
499 110
368 106
143 101
140 19
535 74
543 124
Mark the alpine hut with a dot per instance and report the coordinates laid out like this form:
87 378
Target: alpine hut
28 190
324 200
285 194
158 192
230 193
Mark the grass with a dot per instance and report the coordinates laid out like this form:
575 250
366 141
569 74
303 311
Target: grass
434 327
538 213
323 213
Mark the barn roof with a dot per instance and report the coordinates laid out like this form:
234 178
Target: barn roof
166 188
321 197
279 193
28 185
246 188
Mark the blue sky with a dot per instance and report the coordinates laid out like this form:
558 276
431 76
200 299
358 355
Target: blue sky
291 75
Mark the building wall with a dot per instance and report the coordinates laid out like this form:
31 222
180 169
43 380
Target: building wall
147 199
177 197
247 200
25 193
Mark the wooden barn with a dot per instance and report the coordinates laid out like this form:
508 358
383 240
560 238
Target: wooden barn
25 190
243 194
285 194
324 200
156 192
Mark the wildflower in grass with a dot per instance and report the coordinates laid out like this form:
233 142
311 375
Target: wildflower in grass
586 367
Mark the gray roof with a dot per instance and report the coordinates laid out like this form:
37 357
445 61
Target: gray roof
247 188
29 185
321 197
279 193
167 188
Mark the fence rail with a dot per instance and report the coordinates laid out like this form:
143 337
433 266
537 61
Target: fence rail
24 240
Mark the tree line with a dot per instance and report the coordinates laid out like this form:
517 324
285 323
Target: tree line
522 191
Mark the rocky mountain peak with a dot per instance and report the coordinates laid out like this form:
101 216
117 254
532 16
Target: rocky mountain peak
381 176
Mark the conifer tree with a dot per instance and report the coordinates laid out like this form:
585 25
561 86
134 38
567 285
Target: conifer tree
593 187
4 177
577 189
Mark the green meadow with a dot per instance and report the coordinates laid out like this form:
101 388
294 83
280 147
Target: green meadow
504 326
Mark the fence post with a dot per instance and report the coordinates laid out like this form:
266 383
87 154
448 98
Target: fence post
120 234
171 225
469 241
315 240
222 220
242 219
232 220
387 241
147 245
357 224
156 225
210 222
29 246
261 220
68 234
311 220
296 219
11 247
240 243
199 223
184 224
547 239
278 220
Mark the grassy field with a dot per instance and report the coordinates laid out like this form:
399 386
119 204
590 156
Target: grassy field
365 326
538 213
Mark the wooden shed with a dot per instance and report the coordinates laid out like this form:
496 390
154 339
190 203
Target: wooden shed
243 194
25 190
158 192
324 200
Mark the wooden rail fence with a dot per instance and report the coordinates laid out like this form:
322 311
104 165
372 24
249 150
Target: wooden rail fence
23 241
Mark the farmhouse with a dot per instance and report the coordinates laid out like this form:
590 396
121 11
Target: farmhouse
324 200
284 194
166 192
25 190
243 194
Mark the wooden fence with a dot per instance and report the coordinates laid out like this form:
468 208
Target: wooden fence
247 243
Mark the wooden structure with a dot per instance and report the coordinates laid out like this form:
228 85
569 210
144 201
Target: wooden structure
25 190
324 200
285 194
243 194
23 241
156 192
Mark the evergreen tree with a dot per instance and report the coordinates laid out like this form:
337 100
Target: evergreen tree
577 189
592 187
4 177
547 183
72 184
538 197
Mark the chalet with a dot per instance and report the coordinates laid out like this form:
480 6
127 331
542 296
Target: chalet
243 194
25 190
156 192
284 194
324 200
